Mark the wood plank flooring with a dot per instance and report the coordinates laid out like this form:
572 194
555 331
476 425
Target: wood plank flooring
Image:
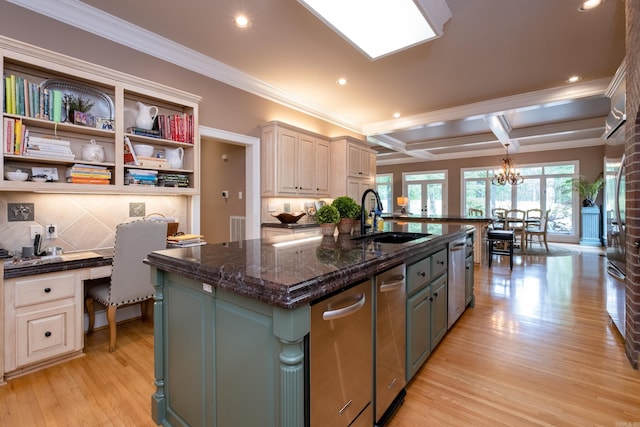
538 349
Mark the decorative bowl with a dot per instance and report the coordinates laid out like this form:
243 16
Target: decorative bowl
287 218
17 176
143 150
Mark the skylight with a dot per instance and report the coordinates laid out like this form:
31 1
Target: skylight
381 27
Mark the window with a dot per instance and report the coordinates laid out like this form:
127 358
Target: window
426 191
544 187
384 187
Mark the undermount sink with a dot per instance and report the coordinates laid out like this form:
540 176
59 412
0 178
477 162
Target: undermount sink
392 237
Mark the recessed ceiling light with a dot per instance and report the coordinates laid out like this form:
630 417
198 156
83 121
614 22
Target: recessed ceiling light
396 115
342 81
381 27
590 4
242 21
574 79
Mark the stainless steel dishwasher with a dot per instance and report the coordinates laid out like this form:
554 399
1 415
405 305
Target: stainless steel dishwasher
456 285
341 359
390 342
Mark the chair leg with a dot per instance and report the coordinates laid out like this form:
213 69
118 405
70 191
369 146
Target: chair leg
92 315
111 318
546 245
490 252
511 244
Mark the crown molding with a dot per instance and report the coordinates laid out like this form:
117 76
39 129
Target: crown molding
88 18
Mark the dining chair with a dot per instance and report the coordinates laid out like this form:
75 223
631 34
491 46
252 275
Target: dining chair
497 215
475 212
130 281
540 231
515 220
533 217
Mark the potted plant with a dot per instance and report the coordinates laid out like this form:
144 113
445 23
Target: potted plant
588 190
328 216
76 103
349 211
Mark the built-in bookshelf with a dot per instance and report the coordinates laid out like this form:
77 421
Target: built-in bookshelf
66 123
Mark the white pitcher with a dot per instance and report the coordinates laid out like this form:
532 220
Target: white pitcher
174 156
145 117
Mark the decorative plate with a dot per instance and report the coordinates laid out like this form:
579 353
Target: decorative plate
102 103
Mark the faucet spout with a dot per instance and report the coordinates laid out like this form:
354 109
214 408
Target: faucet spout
377 211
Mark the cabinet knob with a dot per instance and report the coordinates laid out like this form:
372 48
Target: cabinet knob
47 334
430 298
435 295
47 290
422 273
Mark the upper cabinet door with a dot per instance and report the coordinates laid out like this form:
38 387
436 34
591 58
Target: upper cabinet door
306 165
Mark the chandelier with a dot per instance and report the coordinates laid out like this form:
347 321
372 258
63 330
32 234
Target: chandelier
507 174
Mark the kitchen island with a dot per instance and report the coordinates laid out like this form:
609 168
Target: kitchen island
480 223
232 321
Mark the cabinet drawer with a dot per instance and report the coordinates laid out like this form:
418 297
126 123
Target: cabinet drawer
38 290
438 263
45 333
418 275
99 272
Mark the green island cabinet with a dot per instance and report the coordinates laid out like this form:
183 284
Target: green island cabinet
426 307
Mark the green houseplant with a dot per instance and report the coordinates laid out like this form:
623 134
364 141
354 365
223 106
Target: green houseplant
349 211
327 216
589 190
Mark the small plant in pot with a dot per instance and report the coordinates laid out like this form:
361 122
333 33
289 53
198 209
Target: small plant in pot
328 216
588 190
349 212
76 103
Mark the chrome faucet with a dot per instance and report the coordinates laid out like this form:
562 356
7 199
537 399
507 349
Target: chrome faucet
377 211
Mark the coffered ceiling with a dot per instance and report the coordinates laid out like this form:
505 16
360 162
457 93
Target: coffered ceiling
497 75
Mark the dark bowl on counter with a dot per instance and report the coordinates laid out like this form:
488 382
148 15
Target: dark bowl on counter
287 218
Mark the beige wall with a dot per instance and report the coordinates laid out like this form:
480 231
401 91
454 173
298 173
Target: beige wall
590 158
217 175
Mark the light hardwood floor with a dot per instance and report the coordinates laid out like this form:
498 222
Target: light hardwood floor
538 349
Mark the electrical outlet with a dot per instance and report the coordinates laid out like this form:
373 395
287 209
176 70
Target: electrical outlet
271 207
35 229
52 231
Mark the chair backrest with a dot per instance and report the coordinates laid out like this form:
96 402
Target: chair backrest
498 212
534 214
545 221
130 277
475 212
516 213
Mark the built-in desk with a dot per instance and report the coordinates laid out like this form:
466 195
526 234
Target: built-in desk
41 309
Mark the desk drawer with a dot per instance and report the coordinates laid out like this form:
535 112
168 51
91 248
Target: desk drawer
31 290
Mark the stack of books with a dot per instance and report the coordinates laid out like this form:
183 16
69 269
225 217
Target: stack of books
88 174
173 180
185 240
141 177
48 148
151 133
25 98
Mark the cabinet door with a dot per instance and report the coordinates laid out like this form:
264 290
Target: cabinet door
468 280
45 333
418 330
306 165
353 161
323 166
287 154
438 310
365 163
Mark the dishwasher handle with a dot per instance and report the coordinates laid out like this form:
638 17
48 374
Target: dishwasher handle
396 283
457 245
345 311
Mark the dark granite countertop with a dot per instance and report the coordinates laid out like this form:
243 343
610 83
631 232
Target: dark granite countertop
51 264
294 275
297 225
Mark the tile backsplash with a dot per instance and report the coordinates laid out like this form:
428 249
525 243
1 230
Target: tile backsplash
83 221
